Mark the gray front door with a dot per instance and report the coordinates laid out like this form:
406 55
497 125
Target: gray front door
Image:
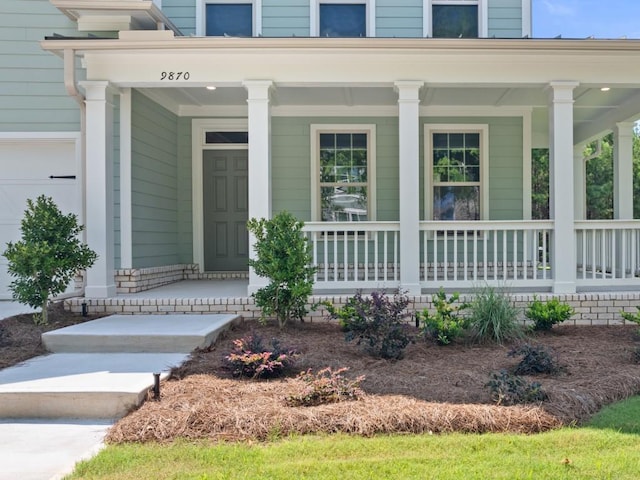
225 195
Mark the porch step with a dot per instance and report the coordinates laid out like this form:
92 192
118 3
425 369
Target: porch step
139 334
104 368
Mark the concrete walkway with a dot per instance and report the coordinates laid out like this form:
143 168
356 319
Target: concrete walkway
41 437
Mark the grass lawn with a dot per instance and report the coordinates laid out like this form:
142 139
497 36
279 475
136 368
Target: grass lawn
607 448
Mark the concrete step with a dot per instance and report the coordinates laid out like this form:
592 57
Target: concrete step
139 334
104 368
81 385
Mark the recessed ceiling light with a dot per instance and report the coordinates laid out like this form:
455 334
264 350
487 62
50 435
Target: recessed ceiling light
605 89
211 87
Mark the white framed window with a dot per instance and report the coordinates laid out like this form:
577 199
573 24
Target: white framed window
342 18
343 166
456 172
455 18
233 18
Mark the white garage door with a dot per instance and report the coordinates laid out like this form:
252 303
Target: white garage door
27 166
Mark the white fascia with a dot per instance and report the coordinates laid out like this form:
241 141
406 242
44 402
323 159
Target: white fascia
314 15
201 15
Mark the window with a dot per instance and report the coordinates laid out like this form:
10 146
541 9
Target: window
338 20
342 18
457 172
343 176
229 19
455 18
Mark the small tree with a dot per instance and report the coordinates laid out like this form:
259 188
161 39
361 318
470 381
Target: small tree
283 256
48 256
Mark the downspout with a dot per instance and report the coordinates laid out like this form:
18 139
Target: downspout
72 91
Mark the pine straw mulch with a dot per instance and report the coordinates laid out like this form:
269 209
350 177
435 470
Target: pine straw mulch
432 389
20 336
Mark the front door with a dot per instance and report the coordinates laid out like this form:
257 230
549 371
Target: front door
225 196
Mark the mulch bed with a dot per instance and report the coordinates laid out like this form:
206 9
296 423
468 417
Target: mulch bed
432 389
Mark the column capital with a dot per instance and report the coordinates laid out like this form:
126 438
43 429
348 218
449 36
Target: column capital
562 91
258 89
408 90
625 129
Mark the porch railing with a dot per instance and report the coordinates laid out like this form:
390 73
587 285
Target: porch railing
355 254
607 252
502 253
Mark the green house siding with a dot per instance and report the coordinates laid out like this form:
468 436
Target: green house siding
182 13
505 18
399 18
32 93
154 174
285 18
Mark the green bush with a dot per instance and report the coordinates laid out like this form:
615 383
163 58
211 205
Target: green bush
47 257
535 359
493 316
283 256
508 389
326 386
545 315
375 322
251 358
632 317
446 323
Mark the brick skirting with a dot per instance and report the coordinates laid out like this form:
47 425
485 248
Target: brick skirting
591 308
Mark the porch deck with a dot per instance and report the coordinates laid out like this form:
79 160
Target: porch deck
230 296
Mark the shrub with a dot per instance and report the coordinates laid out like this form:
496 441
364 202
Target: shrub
251 358
283 256
493 316
535 359
446 323
326 386
376 323
508 389
632 317
47 257
545 315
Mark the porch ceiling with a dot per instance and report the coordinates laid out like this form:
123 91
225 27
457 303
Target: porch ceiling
595 111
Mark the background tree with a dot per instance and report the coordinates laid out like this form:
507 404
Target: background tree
47 257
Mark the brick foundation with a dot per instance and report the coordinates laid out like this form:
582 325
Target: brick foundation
591 308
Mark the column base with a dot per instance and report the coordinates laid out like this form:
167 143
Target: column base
564 287
100 291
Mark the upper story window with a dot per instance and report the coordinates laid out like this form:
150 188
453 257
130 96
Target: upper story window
457 167
455 18
228 18
342 18
343 173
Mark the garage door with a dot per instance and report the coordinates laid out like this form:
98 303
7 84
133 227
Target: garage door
30 167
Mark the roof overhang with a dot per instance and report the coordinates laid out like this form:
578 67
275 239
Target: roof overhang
115 15
458 73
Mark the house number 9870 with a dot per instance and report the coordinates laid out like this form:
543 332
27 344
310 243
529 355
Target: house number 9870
174 76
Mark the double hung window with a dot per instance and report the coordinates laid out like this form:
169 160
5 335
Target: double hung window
343 173
454 18
224 19
456 173
342 18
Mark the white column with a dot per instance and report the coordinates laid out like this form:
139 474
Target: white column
623 171
579 183
563 255
126 222
99 174
259 181
409 141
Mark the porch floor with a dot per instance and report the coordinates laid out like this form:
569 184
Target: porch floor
219 288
